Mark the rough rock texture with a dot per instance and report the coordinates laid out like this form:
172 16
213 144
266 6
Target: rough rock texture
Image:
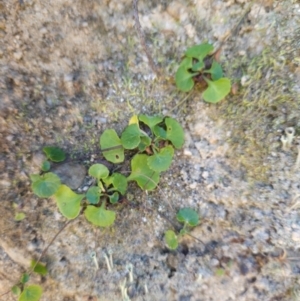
71 69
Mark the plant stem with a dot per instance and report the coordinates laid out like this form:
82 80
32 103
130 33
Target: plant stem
142 38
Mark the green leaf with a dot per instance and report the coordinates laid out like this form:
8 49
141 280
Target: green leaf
68 201
45 185
54 154
46 166
151 121
188 216
119 182
24 278
19 216
175 132
217 90
183 232
93 195
145 142
215 71
199 51
145 177
100 216
198 66
110 140
171 240
162 160
220 272
31 293
16 290
114 198
184 79
186 63
39 268
130 138
159 132
98 171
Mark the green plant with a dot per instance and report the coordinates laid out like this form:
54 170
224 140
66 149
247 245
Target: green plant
189 218
200 67
31 292
151 140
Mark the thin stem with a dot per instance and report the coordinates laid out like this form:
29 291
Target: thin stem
142 38
43 252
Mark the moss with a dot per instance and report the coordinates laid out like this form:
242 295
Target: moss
263 106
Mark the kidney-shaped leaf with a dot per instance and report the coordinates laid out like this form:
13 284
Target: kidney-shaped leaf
119 182
54 154
111 146
216 90
162 160
31 293
98 171
130 138
100 216
199 51
146 178
68 201
93 195
171 240
38 268
184 79
151 121
175 132
45 185
215 71
114 198
188 216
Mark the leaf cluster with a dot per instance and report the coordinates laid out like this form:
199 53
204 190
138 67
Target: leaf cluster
31 292
151 139
189 218
200 67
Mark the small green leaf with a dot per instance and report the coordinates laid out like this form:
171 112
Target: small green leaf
114 198
215 71
183 232
162 160
68 201
188 216
16 290
217 90
184 79
98 171
130 138
93 195
31 293
39 268
175 132
45 185
198 66
171 240
151 121
159 132
110 140
54 154
199 51
46 166
19 216
145 142
146 178
186 63
119 182
220 272
100 216
24 278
